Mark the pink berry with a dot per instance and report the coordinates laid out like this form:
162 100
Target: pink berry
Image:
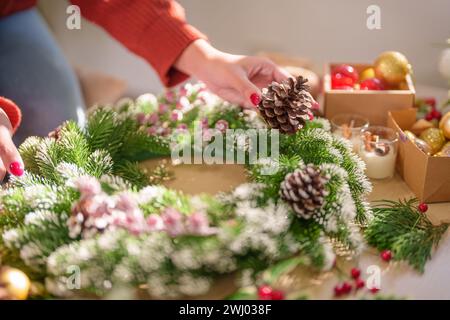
355 273
423 207
386 255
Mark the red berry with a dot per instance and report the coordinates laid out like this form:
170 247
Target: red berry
338 290
423 207
340 81
265 292
277 295
346 287
347 71
386 255
436 114
430 102
16 168
371 84
355 273
359 283
429 116
374 290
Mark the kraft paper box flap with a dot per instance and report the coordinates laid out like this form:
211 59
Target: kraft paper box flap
428 177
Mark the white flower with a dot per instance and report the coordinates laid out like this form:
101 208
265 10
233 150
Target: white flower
10 238
37 217
150 193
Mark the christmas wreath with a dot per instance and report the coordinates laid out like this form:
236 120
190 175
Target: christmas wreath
85 202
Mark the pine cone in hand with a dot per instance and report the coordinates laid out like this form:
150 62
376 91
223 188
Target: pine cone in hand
304 190
286 106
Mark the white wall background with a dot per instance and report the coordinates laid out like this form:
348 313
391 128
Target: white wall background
322 30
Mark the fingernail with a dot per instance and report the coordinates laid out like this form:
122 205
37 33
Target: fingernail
255 98
16 169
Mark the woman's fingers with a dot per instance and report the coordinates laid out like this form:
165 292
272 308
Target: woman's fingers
8 153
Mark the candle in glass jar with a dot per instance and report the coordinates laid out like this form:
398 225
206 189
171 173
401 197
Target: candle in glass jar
378 150
349 126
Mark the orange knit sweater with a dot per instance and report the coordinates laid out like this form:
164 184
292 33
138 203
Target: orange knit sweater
156 30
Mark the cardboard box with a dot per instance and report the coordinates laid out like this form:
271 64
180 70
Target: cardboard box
428 177
372 104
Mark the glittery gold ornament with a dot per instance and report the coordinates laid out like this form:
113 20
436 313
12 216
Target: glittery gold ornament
367 74
14 284
445 151
392 67
434 137
444 125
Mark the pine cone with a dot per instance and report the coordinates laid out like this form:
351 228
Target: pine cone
304 190
286 106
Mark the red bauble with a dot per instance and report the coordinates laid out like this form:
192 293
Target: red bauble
359 283
341 82
423 207
277 295
371 84
347 71
265 292
386 255
355 273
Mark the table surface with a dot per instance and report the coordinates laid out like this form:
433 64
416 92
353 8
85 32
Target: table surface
397 279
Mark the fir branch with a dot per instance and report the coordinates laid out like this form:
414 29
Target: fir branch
408 233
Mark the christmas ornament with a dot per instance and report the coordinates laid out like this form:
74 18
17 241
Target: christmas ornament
423 207
304 190
287 105
386 255
421 125
341 82
371 84
444 125
434 138
367 74
445 151
392 67
422 145
14 283
355 273
346 71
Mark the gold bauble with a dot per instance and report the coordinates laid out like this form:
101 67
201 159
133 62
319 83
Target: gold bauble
445 151
434 138
392 67
367 74
15 283
444 125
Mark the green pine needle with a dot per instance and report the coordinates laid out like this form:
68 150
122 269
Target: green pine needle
408 233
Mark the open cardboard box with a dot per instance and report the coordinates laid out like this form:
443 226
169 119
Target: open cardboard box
428 177
372 104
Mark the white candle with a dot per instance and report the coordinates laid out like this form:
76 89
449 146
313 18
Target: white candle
379 165
354 140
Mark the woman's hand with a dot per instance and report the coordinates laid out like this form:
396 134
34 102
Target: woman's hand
235 78
10 159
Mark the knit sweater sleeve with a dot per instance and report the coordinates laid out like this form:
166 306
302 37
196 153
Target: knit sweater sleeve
12 111
156 30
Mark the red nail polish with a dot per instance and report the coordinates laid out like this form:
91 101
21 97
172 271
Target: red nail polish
16 169
255 98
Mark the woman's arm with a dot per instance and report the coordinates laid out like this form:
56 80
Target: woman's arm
156 30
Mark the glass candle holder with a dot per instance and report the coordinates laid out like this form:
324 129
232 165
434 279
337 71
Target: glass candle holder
349 126
378 148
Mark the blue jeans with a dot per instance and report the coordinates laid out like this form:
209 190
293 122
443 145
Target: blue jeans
35 75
